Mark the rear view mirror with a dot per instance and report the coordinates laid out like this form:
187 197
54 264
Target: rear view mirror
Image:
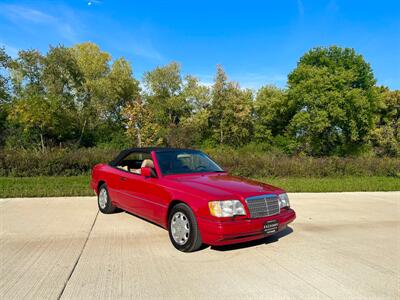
145 171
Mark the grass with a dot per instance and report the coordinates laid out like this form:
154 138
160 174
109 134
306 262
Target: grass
44 186
333 184
79 185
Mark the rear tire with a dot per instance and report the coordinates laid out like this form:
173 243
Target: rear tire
183 230
104 201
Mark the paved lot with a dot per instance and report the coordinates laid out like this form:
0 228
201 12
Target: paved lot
341 246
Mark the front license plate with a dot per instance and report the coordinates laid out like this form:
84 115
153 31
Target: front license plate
271 226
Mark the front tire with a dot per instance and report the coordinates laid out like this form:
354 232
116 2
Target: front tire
183 230
104 201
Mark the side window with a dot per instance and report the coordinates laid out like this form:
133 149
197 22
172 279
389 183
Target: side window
133 162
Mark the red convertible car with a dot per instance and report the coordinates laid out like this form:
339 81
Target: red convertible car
187 193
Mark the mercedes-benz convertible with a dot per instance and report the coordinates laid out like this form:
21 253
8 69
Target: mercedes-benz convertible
187 193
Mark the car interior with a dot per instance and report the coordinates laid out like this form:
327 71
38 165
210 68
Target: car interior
133 163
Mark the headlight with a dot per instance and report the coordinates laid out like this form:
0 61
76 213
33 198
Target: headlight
227 208
283 200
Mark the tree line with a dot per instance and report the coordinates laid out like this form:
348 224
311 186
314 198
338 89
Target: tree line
80 97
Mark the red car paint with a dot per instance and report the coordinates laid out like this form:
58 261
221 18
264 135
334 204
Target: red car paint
151 198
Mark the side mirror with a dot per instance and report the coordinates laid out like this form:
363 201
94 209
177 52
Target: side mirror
145 171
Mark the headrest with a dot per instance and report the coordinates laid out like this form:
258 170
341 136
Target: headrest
147 163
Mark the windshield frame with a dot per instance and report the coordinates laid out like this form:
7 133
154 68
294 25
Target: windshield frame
186 151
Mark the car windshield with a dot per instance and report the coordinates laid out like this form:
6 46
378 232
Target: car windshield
185 161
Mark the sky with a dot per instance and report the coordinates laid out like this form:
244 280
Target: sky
256 42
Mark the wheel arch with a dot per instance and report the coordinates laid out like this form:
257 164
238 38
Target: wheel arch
170 206
99 184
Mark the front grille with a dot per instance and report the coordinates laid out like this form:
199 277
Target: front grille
263 206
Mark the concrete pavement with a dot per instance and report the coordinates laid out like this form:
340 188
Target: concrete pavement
342 245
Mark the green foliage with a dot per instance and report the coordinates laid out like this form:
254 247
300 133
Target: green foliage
231 112
174 112
5 96
194 127
250 161
163 94
142 128
78 96
386 135
105 90
54 162
332 102
269 108
67 96
5 61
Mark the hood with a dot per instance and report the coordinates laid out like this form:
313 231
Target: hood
223 186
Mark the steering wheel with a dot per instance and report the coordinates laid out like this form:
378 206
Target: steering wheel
200 168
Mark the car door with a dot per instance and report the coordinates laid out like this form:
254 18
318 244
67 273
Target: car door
114 180
147 198
122 190
138 194
123 182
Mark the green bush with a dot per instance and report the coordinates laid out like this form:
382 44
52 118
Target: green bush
249 162
53 163
267 164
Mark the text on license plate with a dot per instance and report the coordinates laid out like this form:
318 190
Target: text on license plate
271 226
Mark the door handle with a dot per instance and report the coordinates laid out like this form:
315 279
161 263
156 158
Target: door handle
123 178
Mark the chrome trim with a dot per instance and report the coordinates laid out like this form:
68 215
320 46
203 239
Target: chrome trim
263 205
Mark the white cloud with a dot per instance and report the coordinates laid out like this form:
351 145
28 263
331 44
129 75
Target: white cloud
136 44
24 17
145 49
16 13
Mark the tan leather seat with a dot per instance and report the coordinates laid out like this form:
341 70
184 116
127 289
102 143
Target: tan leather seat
123 168
147 163
136 171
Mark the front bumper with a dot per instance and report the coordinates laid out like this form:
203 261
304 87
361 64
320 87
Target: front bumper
217 233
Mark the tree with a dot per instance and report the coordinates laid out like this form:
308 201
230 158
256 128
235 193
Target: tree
141 128
163 94
5 96
386 135
36 115
27 73
105 90
31 112
331 102
193 126
63 81
45 87
270 117
94 65
122 89
5 62
230 112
